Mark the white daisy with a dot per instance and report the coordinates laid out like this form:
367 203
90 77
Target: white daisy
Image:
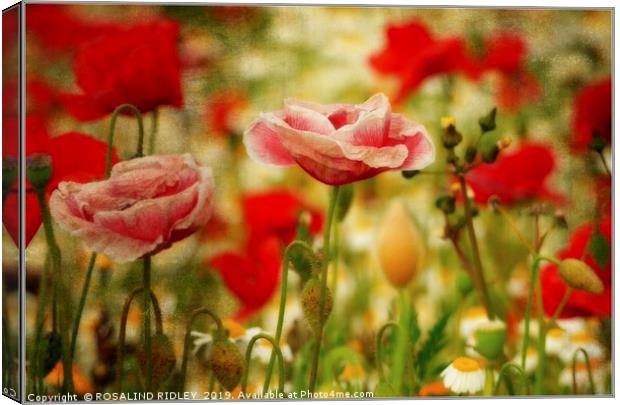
531 360
581 377
464 375
237 333
586 341
556 341
472 319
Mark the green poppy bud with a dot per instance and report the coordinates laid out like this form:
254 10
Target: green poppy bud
470 153
304 260
226 362
487 122
311 304
451 137
490 339
163 359
446 203
39 170
489 154
578 275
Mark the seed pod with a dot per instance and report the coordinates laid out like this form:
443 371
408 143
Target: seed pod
311 304
226 362
39 169
162 358
580 276
50 352
399 246
490 339
9 172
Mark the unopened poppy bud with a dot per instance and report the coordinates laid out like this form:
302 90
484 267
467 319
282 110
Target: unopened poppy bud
9 172
303 259
463 282
470 153
560 219
487 122
446 203
345 198
408 174
226 362
451 137
489 154
399 247
448 121
504 142
598 142
578 275
163 359
490 338
39 170
311 304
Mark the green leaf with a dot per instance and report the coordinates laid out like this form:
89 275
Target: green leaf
599 247
434 343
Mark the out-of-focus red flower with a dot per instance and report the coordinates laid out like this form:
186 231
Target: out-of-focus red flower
58 28
253 275
222 110
592 113
138 65
75 157
580 303
10 31
276 212
516 176
504 54
414 55
41 97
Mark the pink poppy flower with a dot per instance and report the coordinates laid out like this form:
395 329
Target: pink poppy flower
147 204
339 143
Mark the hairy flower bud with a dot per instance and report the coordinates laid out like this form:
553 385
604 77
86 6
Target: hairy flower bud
39 170
226 362
163 359
578 275
311 304
399 247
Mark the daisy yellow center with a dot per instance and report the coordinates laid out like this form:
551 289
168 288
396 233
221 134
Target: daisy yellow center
556 332
466 364
476 312
234 328
581 337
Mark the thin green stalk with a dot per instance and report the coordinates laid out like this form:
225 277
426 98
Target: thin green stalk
278 336
154 128
42 305
188 332
473 241
379 348
82 303
248 358
148 350
588 367
326 246
401 351
605 165
528 310
542 336
120 353
54 252
115 114
502 376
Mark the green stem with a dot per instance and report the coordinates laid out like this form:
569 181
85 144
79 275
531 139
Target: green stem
502 375
187 342
326 245
54 251
605 165
473 241
283 292
379 348
401 351
82 303
528 310
248 358
120 354
148 350
40 320
561 305
588 367
542 336
154 128
115 114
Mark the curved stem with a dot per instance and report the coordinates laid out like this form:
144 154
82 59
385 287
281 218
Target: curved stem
248 358
379 347
326 252
82 303
120 354
115 113
154 128
561 305
283 292
502 375
148 350
588 367
484 293
188 332
515 229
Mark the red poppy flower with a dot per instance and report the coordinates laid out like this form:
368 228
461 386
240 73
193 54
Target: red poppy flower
592 113
276 212
516 90
222 111
414 55
516 176
138 65
252 276
41 100
10 31
58 28
580 303
75 157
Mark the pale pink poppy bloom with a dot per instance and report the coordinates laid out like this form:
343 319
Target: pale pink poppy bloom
339 143
147 204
